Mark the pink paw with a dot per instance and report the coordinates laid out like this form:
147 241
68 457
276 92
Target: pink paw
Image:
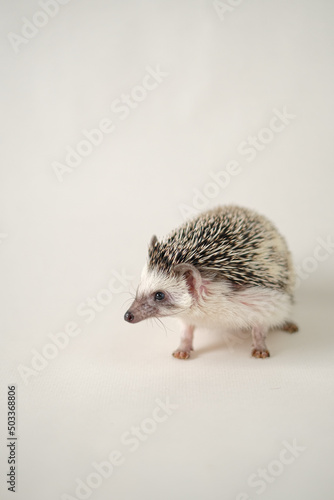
260 353
181 354
290 327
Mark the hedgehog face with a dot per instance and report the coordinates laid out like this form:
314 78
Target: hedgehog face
160 294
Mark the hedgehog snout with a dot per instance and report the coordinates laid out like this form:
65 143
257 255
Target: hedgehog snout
135 313
129 316
140 310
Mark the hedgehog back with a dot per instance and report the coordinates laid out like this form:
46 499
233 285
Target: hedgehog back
229 242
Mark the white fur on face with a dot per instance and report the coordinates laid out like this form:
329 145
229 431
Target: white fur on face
153 281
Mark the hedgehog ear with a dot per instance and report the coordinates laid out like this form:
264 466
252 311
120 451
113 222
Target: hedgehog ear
192 276
153 241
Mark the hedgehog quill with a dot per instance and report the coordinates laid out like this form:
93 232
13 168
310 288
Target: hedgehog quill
229 268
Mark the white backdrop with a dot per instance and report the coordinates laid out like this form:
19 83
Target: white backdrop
119 118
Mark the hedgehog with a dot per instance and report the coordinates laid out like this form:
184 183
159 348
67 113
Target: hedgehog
227 268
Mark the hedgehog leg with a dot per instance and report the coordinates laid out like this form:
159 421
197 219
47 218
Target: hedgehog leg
259 348
186 344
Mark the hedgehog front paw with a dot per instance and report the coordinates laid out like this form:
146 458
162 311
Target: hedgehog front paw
260 353
179 354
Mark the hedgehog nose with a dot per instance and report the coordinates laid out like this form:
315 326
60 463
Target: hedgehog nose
128 316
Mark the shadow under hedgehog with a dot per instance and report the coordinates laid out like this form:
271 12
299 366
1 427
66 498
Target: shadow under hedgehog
229 267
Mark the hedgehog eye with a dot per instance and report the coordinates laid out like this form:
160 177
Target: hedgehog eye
159 296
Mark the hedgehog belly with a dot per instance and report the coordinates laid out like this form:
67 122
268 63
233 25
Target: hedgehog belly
239 310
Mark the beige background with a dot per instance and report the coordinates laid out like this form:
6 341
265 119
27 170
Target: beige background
72 249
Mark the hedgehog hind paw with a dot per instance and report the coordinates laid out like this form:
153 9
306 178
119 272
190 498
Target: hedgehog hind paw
289 327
